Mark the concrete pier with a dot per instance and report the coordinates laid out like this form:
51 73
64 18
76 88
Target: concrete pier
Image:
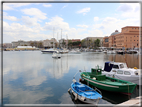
132 102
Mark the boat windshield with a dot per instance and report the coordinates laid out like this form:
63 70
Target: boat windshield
121 66
115 66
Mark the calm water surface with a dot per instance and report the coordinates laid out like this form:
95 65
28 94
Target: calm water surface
30 77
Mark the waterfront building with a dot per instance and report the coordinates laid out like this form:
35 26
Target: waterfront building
106 41
50 43
7 45
89 41
64 42
128 38
20 43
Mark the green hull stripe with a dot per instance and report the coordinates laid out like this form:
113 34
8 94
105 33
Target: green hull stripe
100 83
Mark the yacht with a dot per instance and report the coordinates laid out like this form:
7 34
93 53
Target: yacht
51 50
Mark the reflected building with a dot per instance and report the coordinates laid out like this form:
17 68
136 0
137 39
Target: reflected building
132 60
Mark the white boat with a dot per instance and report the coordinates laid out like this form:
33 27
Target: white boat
111 52
51 50
133 52
119 70
63 51
56 55
104 51
75 52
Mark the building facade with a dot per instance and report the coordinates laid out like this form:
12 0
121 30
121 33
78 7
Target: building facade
7 45
20 43
106 41
128 38
89 41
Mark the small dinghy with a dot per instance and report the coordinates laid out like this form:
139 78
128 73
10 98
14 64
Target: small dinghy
84 93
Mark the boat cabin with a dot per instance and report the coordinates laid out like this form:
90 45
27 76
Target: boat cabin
119 68
97 74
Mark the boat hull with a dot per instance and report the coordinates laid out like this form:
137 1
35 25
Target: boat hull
125 87
94 101
135 79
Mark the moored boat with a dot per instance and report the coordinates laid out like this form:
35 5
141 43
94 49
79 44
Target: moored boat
98 80
84 93
56 55
51 50
120 70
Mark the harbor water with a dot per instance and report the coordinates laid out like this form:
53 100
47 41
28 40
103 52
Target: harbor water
30 77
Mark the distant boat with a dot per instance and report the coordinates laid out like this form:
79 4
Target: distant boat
120 52
111 52
75 51
51 50
56 55
132 52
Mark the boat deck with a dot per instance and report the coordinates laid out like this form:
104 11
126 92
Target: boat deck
90 94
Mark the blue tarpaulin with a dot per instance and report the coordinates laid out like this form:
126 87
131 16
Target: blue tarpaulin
108 66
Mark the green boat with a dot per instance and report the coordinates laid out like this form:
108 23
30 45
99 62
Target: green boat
98 80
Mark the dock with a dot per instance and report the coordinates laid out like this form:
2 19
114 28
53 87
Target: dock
132 102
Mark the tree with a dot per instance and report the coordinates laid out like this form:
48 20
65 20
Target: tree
70 43
40 45
97 43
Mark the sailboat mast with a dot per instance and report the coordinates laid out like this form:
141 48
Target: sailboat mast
61 38
67 41
57 38
53 37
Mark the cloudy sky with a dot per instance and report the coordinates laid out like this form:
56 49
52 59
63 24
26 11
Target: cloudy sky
40 21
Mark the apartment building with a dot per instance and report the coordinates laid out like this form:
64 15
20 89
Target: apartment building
106 41
128 38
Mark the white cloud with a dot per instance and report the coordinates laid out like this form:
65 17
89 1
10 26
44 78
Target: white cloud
110 24
47 5
56 22
29 21
84 10
17 31
34 12
84 26
96 18
12 6
12 18
130 10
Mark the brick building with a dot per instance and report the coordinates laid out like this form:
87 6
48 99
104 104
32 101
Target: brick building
128 38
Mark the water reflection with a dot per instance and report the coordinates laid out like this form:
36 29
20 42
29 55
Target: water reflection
132 60
30 77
